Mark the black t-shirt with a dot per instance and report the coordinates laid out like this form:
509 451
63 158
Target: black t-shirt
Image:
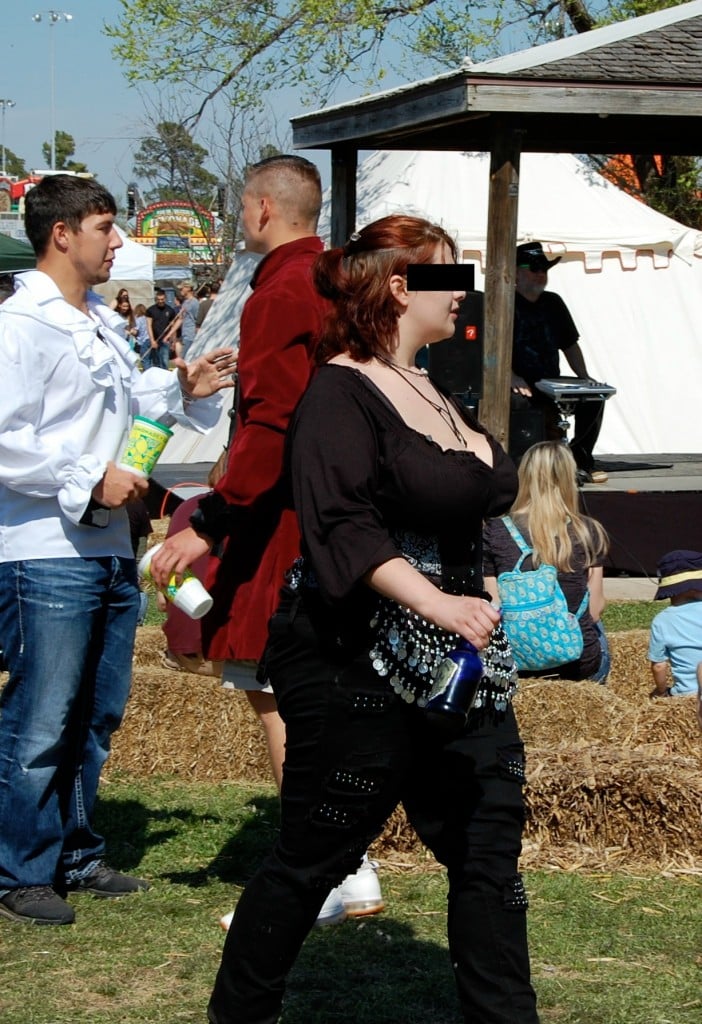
501 554
368 488
541 330
161 317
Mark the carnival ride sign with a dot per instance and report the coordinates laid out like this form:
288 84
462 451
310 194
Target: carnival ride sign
181 233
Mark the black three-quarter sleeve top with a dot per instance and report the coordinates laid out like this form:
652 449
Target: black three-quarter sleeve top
368 488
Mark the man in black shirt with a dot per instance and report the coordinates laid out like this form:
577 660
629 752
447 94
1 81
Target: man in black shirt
543 328
159 317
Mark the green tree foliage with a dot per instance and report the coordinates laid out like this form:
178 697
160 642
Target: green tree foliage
173 165
239 49
667 182
217 45
65 147
14 165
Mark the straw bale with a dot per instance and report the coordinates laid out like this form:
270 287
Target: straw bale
643 799
150 643
182 724
671 723
160 529
549 711
614 780
630 676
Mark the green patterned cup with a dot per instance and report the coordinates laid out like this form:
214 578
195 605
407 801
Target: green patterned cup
147 439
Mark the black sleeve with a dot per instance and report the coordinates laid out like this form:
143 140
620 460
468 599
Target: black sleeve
489 563
566 331
335 461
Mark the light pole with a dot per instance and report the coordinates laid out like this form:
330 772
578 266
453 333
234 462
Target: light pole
4 104
53 17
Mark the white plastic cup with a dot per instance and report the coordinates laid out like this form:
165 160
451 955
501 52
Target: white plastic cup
190 597
146 441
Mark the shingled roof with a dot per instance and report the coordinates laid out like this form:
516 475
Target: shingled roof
665 47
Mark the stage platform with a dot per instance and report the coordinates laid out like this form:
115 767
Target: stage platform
651 504
650 473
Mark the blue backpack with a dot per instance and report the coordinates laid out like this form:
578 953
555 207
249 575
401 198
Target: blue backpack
541 630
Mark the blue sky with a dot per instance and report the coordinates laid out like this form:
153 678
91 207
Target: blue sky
93 101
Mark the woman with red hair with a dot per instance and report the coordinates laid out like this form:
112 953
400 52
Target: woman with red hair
391 480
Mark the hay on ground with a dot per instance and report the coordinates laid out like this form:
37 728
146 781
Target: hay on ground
614 779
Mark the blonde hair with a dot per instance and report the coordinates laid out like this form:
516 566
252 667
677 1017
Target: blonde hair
548 506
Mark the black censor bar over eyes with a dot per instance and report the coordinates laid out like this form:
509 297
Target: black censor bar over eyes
440 277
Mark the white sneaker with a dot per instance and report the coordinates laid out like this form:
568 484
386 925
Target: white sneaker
226 920
360 892
358 895
332 911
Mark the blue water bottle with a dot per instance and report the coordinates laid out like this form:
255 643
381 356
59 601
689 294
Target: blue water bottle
455 686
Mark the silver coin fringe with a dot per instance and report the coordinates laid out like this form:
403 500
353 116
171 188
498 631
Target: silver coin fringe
408 650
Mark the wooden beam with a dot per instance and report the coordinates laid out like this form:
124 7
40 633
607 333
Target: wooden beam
429 107
343 208
404 108
584 98
500 275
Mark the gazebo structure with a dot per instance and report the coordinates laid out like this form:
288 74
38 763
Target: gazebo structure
631 87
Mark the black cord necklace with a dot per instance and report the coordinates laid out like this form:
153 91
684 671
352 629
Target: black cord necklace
444 410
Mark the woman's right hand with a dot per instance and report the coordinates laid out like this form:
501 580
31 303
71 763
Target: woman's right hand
473 618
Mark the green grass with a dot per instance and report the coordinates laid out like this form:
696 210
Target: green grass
622 615
606 949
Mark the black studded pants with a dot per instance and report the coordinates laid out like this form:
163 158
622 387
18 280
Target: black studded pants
354 751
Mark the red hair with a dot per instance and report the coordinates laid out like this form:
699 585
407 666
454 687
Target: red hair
357 280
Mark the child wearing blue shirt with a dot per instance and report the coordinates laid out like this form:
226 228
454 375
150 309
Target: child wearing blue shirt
676 632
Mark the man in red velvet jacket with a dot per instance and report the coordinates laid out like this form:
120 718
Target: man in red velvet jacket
280 325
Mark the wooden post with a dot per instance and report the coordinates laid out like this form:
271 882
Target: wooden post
500 274
343 205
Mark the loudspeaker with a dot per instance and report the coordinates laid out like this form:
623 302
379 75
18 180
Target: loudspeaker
526 427
457 363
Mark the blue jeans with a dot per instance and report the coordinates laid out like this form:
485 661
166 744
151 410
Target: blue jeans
606 661
68 628
160 357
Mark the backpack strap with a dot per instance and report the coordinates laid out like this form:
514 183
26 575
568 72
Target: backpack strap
583 604
518 540
526 550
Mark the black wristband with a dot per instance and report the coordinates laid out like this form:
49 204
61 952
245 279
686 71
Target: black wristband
212 517
95 515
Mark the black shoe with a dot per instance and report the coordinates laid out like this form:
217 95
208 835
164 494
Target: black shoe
107 882
36 904
583 477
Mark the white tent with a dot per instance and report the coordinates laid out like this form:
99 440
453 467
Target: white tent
631 278
132 269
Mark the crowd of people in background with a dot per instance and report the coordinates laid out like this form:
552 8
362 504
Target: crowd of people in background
162 331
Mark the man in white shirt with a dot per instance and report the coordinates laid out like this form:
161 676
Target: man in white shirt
68 590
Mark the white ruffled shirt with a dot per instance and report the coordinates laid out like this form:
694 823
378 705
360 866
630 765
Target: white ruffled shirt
70 389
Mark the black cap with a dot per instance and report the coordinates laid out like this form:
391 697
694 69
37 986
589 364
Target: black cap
531 255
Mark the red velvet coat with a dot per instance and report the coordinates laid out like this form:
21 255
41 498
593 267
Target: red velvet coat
280 325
